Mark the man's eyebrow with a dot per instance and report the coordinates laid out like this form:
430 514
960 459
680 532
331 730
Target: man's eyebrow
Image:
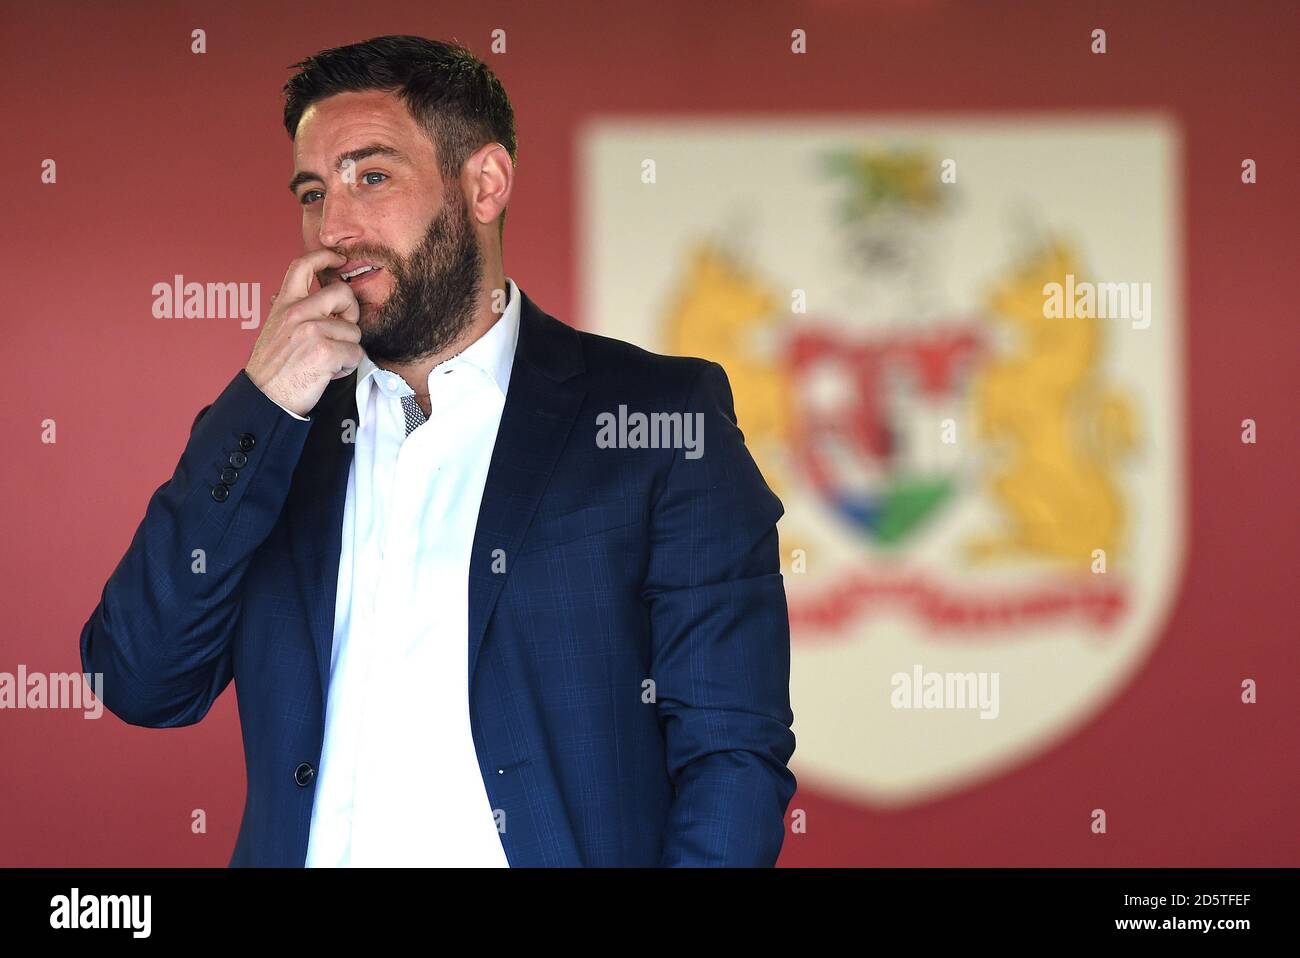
356 156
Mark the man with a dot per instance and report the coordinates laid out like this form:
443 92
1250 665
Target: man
469 622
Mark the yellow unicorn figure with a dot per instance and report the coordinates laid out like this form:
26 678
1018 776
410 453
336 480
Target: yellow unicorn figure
717 313
1056 432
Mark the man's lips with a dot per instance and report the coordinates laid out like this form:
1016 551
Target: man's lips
353 265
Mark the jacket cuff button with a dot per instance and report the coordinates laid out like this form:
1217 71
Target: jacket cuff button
221 492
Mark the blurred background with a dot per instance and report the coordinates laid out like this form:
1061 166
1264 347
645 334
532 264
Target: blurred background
860 210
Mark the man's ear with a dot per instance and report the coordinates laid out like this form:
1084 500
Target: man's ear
492 168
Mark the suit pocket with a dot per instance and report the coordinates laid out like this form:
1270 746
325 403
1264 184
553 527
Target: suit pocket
553 530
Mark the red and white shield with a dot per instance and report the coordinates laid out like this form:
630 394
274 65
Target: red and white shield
980 496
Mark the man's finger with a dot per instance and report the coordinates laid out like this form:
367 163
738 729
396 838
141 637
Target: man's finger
297 281
332 299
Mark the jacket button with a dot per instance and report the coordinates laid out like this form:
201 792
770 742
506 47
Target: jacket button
229 475
303 774
246 441
238 459
220 492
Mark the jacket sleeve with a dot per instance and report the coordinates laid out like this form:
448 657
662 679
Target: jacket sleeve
721 646
162 631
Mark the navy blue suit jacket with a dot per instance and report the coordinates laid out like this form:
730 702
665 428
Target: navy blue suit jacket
622 565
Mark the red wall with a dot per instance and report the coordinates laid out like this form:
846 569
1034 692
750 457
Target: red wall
170 162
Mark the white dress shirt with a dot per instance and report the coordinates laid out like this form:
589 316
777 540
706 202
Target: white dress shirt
399 782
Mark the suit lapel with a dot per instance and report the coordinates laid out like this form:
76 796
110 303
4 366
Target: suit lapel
315 505
540 407
541 404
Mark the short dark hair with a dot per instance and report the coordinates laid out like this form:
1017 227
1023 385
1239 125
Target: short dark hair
453 96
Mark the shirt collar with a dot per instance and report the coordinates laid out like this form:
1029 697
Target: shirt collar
493 353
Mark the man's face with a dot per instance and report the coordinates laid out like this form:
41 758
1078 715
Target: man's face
388 207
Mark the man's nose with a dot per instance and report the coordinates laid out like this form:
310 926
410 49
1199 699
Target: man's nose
339 222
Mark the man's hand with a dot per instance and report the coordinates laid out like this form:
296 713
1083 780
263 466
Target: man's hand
310 338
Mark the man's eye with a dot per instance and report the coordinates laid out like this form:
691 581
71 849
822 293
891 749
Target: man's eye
384 175
306 197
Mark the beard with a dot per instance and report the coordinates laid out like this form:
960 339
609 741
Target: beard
435 290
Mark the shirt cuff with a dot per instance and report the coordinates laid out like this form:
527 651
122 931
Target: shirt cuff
291 412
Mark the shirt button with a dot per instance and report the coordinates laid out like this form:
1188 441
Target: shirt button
392 384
